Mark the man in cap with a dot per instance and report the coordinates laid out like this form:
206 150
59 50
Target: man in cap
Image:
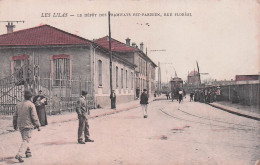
25 119
83 112
144 102
113 99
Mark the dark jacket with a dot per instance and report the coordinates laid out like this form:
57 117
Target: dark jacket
144 98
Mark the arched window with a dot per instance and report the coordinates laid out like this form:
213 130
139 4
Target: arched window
99 72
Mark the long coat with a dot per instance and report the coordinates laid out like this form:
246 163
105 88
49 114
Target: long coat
40 102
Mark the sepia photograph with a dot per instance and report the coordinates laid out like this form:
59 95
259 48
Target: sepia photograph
133 82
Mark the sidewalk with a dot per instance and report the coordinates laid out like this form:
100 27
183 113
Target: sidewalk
240 110
6 125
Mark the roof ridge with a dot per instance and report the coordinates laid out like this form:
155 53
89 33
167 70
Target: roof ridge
46 25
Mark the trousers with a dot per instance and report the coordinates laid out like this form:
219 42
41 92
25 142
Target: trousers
26 136
144 108
83 127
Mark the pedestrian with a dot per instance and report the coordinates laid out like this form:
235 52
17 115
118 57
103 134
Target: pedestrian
172 95
180 96
137 92
40 102
191 96
167 95
113 99
25 119
83 112
144 102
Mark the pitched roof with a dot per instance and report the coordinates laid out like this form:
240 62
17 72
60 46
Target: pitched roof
116 46
41 35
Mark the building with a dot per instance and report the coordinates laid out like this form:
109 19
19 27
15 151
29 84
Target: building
61 65
144 74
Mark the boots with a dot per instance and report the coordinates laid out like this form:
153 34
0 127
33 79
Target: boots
81 142
89 140
19 158
28 153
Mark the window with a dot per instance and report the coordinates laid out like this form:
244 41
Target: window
116 77
99 72
126 79
61 69
122 78
19 61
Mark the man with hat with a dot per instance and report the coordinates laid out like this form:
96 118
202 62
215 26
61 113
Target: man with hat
113 99
144 102
83 112
25 119
40 101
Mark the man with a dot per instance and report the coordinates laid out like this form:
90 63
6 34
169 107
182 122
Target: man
144 102
137 92
172 95
191 96
180 96
113 100
25 119
40 101
83 112
167 95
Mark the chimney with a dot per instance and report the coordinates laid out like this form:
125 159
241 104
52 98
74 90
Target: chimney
133 44
10 27
142 46
127 41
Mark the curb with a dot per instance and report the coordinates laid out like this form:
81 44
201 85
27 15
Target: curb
236 113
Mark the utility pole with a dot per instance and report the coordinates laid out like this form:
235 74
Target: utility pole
110 53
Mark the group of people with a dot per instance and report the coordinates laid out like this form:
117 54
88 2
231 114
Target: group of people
179 94
27 116
205 95
30 114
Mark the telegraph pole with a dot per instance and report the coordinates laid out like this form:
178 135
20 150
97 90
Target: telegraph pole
110 53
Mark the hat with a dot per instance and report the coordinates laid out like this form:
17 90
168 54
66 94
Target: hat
40 90
28 93
145 90
84 93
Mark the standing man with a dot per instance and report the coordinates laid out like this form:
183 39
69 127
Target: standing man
172 95
144 102
83 112
137 92
180 96
40 101
113 99
25 119
191 96
167 95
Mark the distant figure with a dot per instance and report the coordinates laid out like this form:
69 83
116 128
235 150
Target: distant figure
144 102
172 95
191 96
40 101
167 95
137 92
25 119
83 112
113 100
180 96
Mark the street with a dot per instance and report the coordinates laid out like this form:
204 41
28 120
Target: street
186 133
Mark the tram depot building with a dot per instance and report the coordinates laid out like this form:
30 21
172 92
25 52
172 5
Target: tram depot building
62 64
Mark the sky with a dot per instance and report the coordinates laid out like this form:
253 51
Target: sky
222 35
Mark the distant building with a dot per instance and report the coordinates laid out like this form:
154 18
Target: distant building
193 79
144 74
246 77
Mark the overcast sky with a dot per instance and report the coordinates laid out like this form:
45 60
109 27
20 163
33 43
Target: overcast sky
222 35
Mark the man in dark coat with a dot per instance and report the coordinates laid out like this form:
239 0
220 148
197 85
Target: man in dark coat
83 112
144 102
113 100
40 101
25 119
